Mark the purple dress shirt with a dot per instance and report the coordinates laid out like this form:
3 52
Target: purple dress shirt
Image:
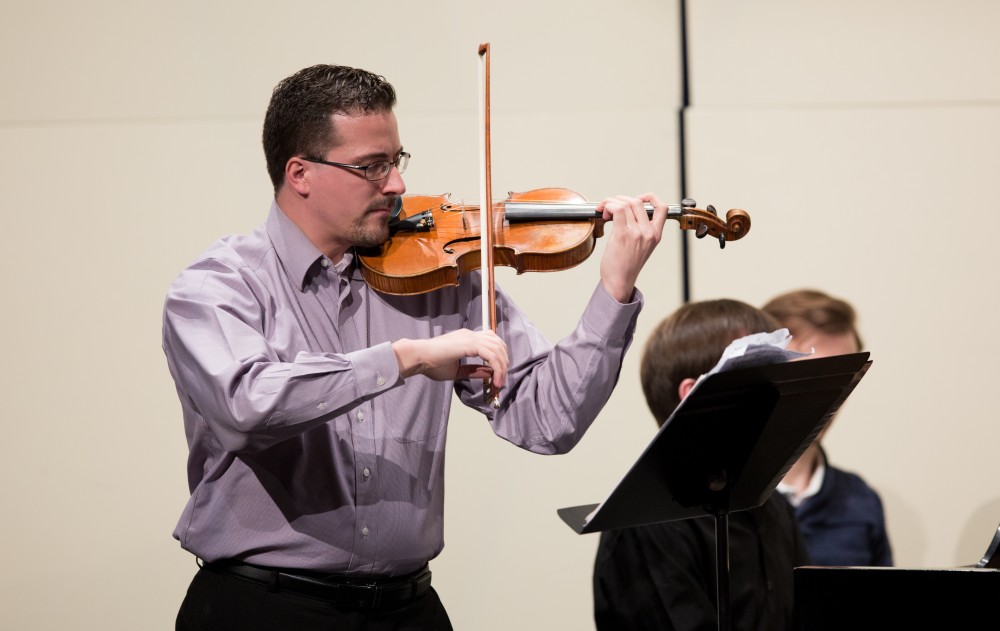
308 450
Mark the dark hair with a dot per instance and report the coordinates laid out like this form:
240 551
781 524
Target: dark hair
298 119
813 309
689 342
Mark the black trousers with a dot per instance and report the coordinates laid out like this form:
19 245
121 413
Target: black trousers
219 602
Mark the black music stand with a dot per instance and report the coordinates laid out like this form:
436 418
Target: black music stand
724 449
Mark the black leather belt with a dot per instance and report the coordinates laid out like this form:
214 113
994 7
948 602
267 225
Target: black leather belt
355 594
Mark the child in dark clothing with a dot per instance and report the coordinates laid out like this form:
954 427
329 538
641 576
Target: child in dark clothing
662 576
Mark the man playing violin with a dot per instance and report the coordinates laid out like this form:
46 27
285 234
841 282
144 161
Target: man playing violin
316 408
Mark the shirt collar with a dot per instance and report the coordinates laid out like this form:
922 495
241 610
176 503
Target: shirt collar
815 483
297 253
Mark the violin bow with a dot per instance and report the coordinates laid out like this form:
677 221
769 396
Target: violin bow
486 212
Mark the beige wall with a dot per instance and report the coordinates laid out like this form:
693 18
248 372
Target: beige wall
861 136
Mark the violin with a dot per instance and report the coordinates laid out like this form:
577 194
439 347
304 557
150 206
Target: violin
434 240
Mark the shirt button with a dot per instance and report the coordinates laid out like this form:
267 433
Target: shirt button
321 405
367 472
361 416
325 262
364 531
380 381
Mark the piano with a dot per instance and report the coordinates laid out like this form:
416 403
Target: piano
862 598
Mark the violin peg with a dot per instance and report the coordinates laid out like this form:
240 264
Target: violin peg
722 241
687 202
701 231
710 208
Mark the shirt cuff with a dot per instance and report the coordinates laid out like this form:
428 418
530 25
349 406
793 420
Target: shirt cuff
376 369
609 317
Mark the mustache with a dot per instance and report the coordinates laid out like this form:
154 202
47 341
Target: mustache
382 202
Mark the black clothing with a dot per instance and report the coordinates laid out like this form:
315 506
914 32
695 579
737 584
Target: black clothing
662 576
844 523
219 601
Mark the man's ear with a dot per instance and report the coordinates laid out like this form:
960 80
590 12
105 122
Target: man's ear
685 387
297 175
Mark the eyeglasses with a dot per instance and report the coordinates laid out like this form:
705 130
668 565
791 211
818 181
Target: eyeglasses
375 171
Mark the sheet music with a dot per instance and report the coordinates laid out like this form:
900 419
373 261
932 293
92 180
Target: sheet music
758 349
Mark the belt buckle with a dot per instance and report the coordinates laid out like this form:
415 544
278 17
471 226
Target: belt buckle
359 597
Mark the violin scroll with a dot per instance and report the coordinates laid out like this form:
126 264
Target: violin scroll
707 222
